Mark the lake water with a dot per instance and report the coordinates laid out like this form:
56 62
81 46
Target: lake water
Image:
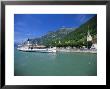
54 64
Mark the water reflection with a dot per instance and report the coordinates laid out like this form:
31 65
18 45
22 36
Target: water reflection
52 56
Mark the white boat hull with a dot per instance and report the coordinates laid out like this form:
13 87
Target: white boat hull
46 50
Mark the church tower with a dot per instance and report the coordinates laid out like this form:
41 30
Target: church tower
89 37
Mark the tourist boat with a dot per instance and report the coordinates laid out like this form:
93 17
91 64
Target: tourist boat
29 47
46 50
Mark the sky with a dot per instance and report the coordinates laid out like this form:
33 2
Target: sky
36 25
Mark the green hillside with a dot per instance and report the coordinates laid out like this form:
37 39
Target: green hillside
64 37
78 37
53 36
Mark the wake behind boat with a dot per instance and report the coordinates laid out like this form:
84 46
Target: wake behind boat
29 47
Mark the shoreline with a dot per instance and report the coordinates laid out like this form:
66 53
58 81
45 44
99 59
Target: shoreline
76 50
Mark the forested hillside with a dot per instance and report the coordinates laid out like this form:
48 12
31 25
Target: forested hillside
74 37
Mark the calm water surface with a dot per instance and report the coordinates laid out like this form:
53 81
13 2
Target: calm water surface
54 64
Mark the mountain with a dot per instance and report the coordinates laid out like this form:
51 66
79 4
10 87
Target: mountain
81 32
53 36
78 37
70 36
